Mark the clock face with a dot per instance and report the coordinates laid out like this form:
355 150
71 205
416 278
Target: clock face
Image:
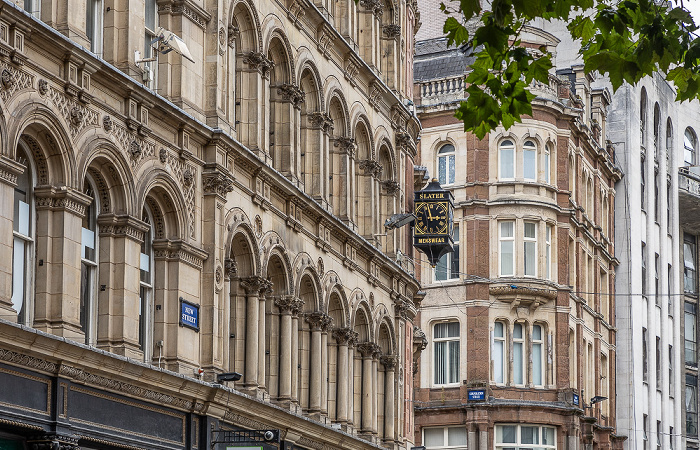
432 218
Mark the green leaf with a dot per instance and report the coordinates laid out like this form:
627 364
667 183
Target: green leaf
457 34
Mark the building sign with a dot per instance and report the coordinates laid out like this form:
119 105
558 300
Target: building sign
476 395
432 233
576 399
189 314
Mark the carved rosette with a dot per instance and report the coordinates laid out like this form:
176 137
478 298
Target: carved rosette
346 145
258 61
319 320
388 361
369 350
216 183
291 94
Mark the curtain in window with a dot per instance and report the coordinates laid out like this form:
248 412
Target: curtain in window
498 348
454 362
518 354
689 271
440 349
537 355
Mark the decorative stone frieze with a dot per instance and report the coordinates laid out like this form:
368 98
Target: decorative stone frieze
352 68
189 9
9 170
405 142
376 91
61 198
523 296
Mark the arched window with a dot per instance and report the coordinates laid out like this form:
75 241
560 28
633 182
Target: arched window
446 164
669 142
689 145
23 243
643 116
537 355
498 352
657 130
506 160
530 161
547 163
88 269
518 354
446 353
146 286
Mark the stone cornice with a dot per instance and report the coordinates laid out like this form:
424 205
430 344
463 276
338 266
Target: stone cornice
199 16
9 170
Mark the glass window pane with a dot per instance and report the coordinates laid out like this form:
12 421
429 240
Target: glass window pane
447 148
498 361
454 362
530 230
440 330
18 278
529 164
88 244
498 329
517 331
529 435
441 268
442 170
507 229
23 218
537 333
456 436
547 436
518 363
453 329
439 367
506 157
433 437
537 364
505 434
451 169
507 258
530 259
546 167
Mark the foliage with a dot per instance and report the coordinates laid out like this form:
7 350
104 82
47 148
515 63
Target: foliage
623 39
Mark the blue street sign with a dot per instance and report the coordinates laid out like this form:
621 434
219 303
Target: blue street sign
576 399
189 314
477 394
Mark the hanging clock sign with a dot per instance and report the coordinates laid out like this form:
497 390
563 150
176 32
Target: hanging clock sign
434 210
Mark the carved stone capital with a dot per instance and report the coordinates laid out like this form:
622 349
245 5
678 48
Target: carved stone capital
392 31
371 167
218 183
369 349
256 285
375 6
388 361
321 120
122 226
258 61
291 94
345 145
343 335
391 187
319 320
61 198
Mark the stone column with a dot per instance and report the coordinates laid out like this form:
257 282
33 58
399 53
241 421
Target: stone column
389 363
352 343
285 305
342 336
252 286
324 365
375 390
317 321
368 350
297 307
265 290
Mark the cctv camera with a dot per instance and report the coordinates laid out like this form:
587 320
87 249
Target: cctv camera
230 376
269 435
168 41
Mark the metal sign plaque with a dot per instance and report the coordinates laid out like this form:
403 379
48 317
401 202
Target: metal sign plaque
189 314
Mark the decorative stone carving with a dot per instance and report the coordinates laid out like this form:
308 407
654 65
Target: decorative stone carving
76 116
371 167
391 187
389 361
230 267
134 149
258 61
53 441
216 183
232 35
369 349
292 94
344 335
258 226
319 320
345 144
289 303
321 120
256 285
187 177
297 10
107 123
326 36
376 6
8 78
163 155
392 31
43 87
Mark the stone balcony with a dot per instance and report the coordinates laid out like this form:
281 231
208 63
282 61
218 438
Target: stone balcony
689 197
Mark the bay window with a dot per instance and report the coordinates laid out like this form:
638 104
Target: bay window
446 356
522 437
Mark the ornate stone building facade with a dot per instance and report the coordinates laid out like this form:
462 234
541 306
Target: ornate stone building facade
519 321
166 221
